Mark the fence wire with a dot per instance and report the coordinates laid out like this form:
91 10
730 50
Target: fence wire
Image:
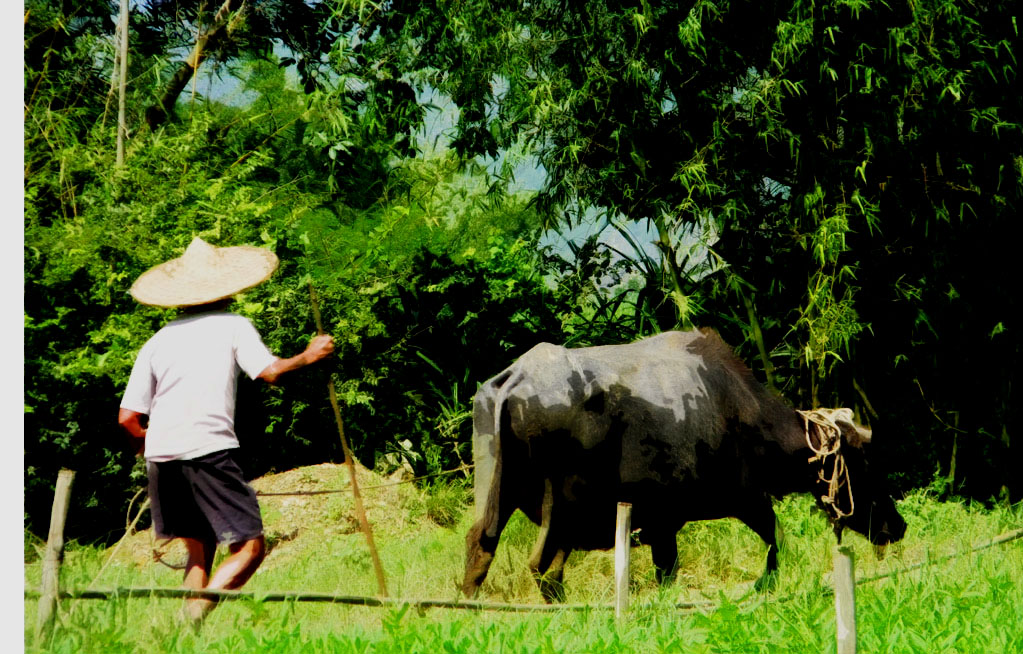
355 600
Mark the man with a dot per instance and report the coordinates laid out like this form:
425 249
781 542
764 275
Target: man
185 380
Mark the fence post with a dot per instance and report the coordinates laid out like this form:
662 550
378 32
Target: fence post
50 587
845 599
623 525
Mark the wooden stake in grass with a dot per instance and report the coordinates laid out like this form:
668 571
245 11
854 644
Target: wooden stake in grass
50 587
360 510
845 600
623 525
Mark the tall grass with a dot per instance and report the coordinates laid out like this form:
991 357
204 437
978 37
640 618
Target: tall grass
971 603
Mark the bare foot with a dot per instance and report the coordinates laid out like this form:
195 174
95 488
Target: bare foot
196 611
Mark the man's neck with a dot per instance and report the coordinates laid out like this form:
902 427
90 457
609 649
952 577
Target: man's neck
219 305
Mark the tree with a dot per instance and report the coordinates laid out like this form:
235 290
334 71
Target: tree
412 258
857 163
853 168
224 32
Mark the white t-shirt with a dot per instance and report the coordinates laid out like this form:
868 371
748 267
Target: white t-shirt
185 379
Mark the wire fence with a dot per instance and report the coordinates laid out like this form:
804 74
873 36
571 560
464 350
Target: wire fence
358 600
844 581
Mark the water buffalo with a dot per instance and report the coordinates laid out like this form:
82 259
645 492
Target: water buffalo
675 424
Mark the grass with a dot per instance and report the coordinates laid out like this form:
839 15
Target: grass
972 603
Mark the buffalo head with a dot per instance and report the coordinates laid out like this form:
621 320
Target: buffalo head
852 494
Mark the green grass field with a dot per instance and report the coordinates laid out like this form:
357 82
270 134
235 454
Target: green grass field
969 603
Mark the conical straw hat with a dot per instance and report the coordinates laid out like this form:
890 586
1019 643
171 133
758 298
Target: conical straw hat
204 274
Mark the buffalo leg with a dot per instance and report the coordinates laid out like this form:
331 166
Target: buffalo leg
551 580
759 516
479 552
547 562
664 551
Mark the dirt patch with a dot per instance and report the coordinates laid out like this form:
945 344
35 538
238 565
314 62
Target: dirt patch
308 502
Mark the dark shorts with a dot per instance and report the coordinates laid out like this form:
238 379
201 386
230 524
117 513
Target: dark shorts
205 498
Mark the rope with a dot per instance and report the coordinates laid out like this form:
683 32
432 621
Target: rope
158 554
128 530
830 445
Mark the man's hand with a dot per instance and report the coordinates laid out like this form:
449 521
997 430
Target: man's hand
131 422
320 347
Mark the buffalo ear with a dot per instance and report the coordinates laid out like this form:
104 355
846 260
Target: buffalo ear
853 433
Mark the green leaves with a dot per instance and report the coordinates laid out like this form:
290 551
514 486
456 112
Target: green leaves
798 161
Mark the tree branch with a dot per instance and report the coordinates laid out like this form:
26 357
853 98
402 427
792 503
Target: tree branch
224 23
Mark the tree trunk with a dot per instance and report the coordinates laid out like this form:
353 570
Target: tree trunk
224 23
122 82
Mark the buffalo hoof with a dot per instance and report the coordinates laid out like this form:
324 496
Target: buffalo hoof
767 582
553 591
664 578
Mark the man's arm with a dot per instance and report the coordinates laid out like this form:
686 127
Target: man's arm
319 347
131 422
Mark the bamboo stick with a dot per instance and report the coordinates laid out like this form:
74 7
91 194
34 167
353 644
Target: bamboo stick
360 510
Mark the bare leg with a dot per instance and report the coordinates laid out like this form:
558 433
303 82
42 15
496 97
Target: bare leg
197 571
237 568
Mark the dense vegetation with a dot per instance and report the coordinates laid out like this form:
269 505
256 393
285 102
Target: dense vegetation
849 171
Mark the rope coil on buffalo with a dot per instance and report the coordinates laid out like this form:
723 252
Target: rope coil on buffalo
830 437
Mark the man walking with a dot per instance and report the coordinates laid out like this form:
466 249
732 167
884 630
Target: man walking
185 381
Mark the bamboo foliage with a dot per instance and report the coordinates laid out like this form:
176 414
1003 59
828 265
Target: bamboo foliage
830 185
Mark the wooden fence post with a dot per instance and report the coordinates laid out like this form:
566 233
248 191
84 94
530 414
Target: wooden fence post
50 587
845 600
623 526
